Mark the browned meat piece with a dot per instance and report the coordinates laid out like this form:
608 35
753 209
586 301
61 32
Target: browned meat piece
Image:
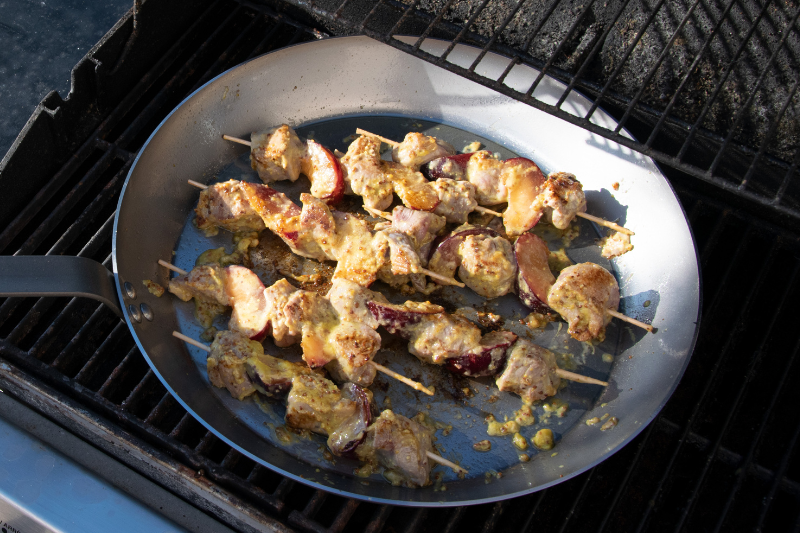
561 199
205 282
413 189
421 227
276 154
364 173
581 295
484 260
354 345
456 199
272 376
401 446
418 149
485 173
225 205
312 317
530 372
487 265
226 363
436 338
615 244
350 301
315 403
403 258
358 253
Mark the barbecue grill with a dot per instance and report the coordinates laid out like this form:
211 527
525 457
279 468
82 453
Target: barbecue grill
707 90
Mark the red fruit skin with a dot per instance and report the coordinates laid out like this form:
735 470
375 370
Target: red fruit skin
396 317
325 173
488 360
534 278
452 167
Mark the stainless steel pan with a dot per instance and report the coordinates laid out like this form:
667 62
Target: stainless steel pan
319 87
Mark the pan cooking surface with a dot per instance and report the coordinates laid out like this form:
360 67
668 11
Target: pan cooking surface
458 412
329 88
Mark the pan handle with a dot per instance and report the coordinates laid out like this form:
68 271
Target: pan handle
58 275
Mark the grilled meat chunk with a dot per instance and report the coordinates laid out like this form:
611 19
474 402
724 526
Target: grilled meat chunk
401 446
561 199
456 199
226 363
364 173
416 149
581 295
488 266
225 205
530 372
276 154
205 282
486 174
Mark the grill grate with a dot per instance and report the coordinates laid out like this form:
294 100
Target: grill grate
714 84
721 456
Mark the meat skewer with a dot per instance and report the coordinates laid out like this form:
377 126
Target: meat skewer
278 154
239 365
484 259
255 315
316 215
577 212
434 336
586 295
416 150
439 338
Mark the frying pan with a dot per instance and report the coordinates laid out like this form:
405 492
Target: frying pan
325 88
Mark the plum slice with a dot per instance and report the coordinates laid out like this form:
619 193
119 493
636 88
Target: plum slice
487 360
352 431
445 259
324 173
452 167
396 317
534 278
250 314
524 181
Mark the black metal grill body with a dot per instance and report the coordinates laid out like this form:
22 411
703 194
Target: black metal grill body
721 456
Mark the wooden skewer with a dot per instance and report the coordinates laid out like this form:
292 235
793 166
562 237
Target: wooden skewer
191 341
378 213
172 267
442 461
236 140
603 222
572 376
617 314
390 142
480 209
380 368
197 184
400 377
338 153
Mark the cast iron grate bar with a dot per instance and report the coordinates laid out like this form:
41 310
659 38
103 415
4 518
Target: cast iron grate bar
745 309
704 160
